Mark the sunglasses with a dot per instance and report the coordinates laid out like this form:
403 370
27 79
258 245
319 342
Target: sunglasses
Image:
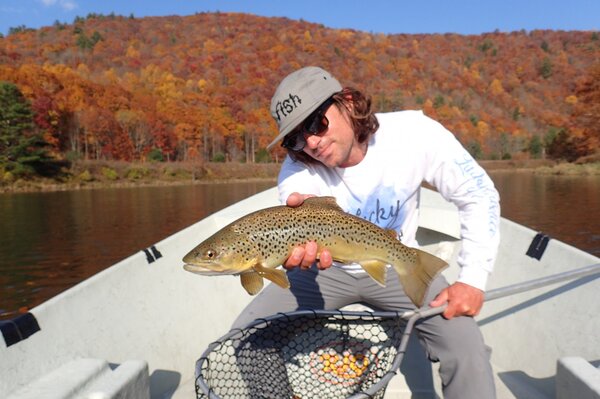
316 124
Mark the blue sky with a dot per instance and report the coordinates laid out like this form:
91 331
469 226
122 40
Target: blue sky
386 16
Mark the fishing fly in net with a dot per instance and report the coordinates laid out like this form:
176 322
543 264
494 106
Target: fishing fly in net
304 354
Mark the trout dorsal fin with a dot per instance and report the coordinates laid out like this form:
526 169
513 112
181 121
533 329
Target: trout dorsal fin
392 233
323 202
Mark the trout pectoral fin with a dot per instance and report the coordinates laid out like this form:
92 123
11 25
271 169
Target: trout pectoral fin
376 269
252 282
277 276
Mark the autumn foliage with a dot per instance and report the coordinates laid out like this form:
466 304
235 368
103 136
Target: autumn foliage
198 87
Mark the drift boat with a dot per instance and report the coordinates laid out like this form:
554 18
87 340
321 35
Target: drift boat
136 329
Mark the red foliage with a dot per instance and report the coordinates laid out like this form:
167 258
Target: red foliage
200 85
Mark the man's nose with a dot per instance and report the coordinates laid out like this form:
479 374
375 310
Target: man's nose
312 141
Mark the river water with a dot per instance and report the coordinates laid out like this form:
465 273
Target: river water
51 241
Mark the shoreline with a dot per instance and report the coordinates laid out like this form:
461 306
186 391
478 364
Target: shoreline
547 168
58 187
102 175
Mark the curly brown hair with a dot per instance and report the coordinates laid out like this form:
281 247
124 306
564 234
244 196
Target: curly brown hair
362 117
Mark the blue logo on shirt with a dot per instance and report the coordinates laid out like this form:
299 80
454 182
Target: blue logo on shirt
383 207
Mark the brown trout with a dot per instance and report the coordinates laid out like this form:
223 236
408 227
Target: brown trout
256 244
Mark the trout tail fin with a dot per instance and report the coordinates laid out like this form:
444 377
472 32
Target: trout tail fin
416 278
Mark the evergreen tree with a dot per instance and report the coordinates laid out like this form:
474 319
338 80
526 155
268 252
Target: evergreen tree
566 147
474 148
546 68
536 148
22 148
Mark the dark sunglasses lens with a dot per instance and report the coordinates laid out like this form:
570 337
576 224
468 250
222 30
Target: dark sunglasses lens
294 142
316 124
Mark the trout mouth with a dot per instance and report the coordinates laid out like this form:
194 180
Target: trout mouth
198 269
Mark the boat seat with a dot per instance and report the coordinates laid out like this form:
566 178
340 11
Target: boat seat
577 378
90 378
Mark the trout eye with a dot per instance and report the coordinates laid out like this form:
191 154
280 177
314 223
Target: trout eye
210 254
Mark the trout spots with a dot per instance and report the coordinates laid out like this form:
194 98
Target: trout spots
261 241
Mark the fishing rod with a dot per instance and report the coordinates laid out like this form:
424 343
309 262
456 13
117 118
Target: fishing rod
412 316
513 289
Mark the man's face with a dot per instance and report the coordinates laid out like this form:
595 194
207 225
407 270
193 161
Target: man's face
337 146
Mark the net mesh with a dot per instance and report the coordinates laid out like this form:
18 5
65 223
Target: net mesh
303 354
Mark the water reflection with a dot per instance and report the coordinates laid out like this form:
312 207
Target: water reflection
566 208
51 241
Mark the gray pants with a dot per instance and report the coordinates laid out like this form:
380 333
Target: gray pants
457 344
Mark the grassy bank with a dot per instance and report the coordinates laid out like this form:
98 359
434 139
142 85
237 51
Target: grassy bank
511 165
99 174
588 166
570 169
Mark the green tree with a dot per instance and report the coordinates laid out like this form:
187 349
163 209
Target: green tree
546 68
96 37
536 147
516 114
84 42
551 135
505 146
87 43
18 29
474 119
566 147
263 156
155 155
474 148
22 149
486 45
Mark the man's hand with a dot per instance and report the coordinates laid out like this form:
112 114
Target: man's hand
305 255
462 299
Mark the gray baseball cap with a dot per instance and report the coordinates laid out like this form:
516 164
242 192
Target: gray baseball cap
298 95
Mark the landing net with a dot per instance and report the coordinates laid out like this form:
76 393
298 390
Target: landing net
304 354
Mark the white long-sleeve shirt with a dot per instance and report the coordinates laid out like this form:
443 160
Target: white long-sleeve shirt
407 149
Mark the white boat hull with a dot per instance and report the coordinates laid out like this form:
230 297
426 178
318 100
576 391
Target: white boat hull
156 315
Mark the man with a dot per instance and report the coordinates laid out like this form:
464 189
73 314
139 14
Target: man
374 164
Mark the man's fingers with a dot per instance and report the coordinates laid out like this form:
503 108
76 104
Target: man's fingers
462 299
440 299
296 199
310 255
450 312
295 258
304 256
325 260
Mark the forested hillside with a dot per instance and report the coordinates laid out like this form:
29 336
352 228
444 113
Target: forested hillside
198 87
